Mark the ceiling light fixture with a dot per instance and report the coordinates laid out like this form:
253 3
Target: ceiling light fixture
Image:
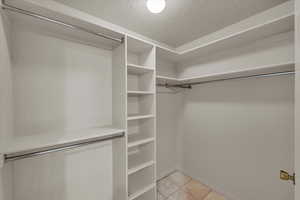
156 6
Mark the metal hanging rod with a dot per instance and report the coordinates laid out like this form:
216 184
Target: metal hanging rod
189 85
58 22
63 147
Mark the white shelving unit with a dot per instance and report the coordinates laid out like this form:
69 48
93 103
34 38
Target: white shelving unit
141 119
52 103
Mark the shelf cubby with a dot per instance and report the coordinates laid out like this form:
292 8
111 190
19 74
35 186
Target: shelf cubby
139 139
139 155
141 82
140 132
146 193
138 69
140 181
140 105
140 54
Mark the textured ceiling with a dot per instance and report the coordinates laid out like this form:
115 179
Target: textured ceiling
182 21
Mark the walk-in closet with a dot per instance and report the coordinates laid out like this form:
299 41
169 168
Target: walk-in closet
149 100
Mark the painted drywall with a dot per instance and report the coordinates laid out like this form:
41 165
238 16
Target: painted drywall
52 81
169 105
166 68
238 134
269 51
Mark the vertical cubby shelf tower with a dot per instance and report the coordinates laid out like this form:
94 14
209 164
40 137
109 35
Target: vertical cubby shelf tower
141 140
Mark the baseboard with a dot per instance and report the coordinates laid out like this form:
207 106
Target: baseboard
165 174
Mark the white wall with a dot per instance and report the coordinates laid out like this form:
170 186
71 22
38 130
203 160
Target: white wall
239 134
168 112
166 68
273 50
53 78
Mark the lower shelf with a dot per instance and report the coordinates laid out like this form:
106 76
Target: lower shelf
51 140
139 139
137 117
137 182
143 191
140 167
138 156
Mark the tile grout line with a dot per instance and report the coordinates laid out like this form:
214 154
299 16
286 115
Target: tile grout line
179 187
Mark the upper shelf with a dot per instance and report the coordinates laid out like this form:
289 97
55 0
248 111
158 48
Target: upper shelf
273 68
284 24
167 80
75 23
274 21
35 143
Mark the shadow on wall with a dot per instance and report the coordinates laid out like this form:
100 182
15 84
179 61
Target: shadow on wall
238 134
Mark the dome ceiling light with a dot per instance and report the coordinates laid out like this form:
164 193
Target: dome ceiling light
156 6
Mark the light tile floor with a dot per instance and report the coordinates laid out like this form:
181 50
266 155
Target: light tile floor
178 186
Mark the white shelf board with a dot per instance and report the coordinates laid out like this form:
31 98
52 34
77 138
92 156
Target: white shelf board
137 93
58 11
140 167
166 79
138 139
137 156
137 117
275 26
142 191
138 69
55 139
265 69
281 67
